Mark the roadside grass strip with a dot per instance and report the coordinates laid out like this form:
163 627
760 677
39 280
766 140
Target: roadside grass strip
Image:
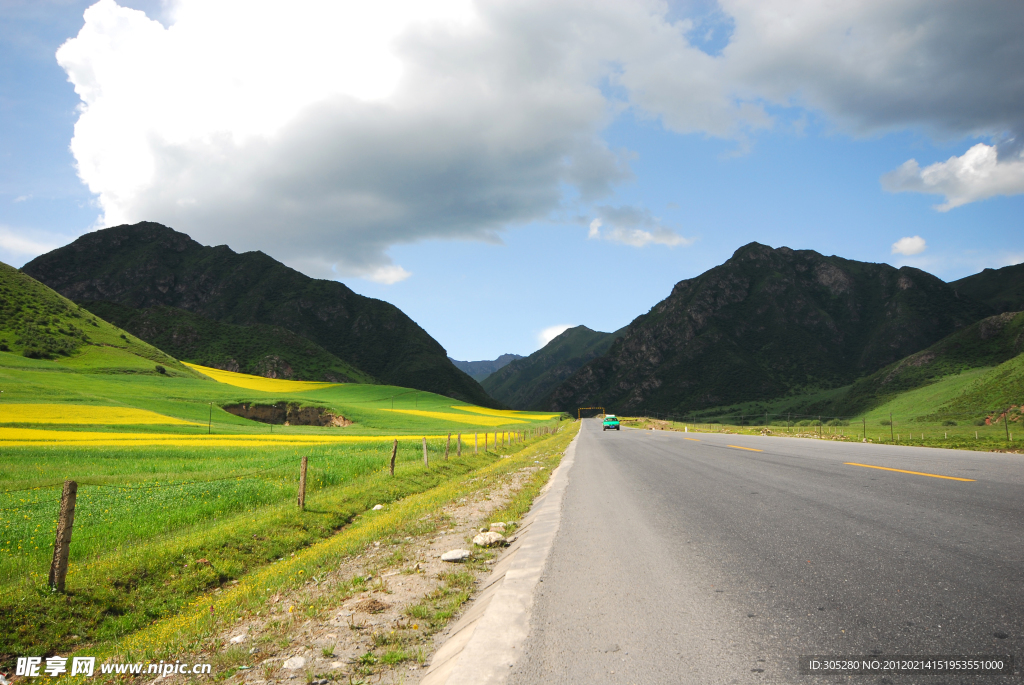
511 414
244 380
209 613
458 418
913 473
82 414
28 437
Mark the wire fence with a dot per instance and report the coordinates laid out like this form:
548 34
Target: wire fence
115 513
995 425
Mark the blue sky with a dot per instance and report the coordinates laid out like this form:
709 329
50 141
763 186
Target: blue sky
460 178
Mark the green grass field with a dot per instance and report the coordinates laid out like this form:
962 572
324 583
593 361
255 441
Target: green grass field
204 497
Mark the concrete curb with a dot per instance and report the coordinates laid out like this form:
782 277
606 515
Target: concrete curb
484 644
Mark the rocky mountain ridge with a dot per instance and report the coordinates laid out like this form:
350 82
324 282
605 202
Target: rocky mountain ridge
148 265
767 323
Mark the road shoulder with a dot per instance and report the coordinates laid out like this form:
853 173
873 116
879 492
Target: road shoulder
483 645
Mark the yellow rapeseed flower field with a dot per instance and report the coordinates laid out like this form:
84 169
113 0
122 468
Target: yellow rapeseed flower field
509 414
84 414
458 418
244 380
23 437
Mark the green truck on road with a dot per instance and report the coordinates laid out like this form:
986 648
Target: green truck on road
610 422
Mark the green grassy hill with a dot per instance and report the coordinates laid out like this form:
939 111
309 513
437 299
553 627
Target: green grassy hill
983 345
260 350
1001 289
37 323
959 388
148 265
525 383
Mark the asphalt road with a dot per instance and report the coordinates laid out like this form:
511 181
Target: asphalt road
682 558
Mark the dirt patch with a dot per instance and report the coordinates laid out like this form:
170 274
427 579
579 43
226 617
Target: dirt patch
375 618
288 414
371 606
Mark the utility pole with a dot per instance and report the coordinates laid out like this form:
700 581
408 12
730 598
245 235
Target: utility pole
209 423
892 436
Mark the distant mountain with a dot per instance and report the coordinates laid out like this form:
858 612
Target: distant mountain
149 265
38 323
1001 289
525 383
259 349
767 323
478 371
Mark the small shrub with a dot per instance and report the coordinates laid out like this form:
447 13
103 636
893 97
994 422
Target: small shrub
395 656
885 422
949 422
160 369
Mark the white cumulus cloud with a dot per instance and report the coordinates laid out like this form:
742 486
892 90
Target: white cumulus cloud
326 131
633 226
909 246
16 244
976 175
551 332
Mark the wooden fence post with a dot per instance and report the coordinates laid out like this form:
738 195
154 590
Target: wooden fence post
447 446
302 483
426 460
458 445
394 453
485 442
62 544
476 445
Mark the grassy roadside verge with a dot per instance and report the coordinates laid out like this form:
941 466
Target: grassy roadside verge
148 579
195 627
989 438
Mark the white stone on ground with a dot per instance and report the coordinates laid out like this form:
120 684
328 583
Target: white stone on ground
295 663
456 555
378 507
498 527
489 539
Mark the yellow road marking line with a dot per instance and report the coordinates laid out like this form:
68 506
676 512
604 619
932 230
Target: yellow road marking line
749 449
914 473
693 439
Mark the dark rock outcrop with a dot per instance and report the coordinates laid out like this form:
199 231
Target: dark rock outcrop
288 414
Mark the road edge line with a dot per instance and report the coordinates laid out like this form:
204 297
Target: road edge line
483 646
